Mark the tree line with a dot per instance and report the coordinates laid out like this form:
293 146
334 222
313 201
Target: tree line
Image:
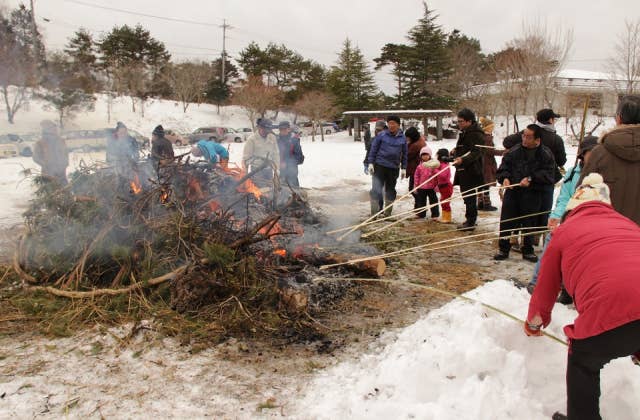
432 69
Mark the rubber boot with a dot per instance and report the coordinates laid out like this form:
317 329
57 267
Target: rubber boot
446 217
375 207
388 210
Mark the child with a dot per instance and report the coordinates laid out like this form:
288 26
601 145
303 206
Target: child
425 170
444 184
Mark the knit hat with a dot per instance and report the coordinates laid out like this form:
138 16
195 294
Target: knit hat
427 150
158 131
442 153
381 125
412 133
588 143
593 188
48 126
120 124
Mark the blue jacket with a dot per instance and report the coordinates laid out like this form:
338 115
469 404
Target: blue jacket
290 150
213 151
569 185
388 150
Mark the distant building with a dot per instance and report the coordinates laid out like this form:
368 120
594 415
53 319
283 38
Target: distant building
566 94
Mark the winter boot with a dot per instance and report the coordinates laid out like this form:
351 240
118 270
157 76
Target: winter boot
446 217
467 226
375 207
559 416
388 210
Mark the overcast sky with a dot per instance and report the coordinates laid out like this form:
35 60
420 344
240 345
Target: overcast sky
316 29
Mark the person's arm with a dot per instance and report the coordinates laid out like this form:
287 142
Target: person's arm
222 151
37 153
247 152
566 191
275 151
297 152
561 155
373 152
405 157
504 170
549 281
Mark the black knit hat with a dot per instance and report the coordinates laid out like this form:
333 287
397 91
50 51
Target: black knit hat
588 143
412 133
158 131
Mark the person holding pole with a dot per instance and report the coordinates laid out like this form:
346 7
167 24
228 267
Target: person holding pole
387 159
529 168
468 162
594 254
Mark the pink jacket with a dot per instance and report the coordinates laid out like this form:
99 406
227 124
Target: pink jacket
422 174
445 177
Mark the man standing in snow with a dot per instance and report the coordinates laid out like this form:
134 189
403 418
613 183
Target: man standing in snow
618 158
161 148
262 147
594 253
122 150
529 169
290 154
387 156
468 163
50 152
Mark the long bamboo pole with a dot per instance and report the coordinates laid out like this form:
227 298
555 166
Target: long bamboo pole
424 247
354 228
428 207
398 282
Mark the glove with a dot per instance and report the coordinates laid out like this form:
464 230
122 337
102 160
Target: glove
366 169
635 358
403 173
370 169
532 330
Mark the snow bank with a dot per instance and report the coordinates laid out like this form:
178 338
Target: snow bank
463 361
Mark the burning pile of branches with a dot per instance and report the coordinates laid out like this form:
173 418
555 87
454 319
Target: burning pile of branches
218 244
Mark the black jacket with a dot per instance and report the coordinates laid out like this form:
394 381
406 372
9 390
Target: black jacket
161 148
550 139
516 167
469 173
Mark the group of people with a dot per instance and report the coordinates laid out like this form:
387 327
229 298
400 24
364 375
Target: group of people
591 253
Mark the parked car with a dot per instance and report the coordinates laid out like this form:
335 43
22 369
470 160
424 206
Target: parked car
245 130
210 133
327 128
20 144
176 138
85 140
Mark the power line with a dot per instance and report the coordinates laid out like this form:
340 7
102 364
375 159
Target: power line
130 12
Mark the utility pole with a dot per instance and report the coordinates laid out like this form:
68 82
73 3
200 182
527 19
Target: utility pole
224 51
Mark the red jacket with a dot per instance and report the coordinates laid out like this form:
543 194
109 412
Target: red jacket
595 252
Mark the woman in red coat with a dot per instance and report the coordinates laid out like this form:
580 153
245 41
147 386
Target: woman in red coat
595 253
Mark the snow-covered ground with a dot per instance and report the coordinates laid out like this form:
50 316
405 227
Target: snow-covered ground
461 361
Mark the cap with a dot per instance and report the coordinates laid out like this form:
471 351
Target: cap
381 124
265 123
544 115
284 124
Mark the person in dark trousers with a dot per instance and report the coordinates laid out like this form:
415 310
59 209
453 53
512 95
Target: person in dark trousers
529 169
387 159
594 253
427 180
545 119
50 152
489 164
290 155
161 148
617 158
468 162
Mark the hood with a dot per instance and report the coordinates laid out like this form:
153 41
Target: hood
590 208
548 127
426 149
623 142
474 127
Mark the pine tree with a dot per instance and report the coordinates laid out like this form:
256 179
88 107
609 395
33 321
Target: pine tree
351 81
397 56
428 65
81 48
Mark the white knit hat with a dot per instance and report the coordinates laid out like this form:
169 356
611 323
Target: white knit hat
593 188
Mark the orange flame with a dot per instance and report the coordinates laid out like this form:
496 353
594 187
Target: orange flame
281 252
164 197
249 187
136 188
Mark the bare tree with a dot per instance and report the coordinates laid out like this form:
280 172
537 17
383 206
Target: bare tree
316 106
625 62
256 98
189 82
